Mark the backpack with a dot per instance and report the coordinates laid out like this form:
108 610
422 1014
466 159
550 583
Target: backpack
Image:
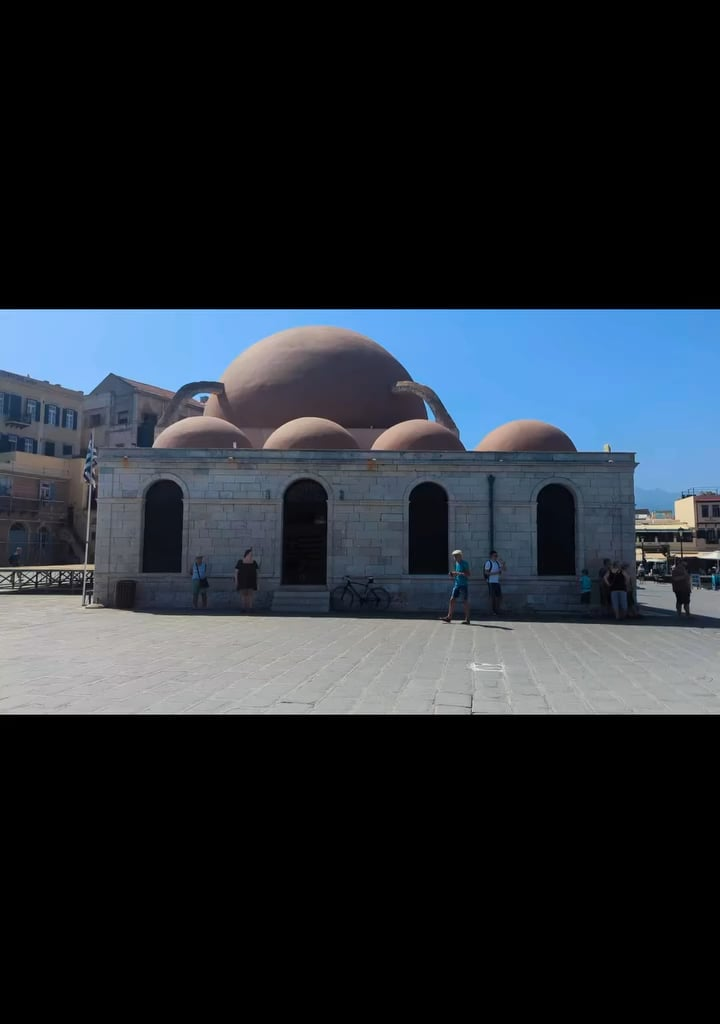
486 570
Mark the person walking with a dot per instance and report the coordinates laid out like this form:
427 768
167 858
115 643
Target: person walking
200 583
246 574
617 580
680 579
585 587
14 560
460 575
493 569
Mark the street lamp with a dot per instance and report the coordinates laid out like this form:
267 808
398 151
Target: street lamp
680 536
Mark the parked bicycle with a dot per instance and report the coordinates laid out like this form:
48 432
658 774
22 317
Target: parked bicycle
353 593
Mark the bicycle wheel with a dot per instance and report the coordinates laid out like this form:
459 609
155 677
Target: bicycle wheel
379 599
342 598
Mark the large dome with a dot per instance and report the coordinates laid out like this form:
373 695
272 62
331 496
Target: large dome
326 372
201 432
418 436
526 436
311 434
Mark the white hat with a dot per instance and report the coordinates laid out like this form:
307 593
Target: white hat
457 552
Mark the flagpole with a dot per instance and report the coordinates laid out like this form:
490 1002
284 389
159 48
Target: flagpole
87 527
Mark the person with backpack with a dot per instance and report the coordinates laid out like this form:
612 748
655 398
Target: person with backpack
493 570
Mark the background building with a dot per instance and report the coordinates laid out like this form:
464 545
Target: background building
41 499
123 413
701 508
39 418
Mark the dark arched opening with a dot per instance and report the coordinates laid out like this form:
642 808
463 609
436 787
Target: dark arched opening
428 535
17 538
304 552
555 531
162 539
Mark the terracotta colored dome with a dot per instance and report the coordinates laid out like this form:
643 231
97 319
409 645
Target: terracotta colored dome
311 433
526 436
327 372
201 432
418 436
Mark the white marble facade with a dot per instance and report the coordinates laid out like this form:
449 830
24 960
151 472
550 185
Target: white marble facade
233 499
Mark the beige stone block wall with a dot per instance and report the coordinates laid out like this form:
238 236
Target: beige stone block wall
227 508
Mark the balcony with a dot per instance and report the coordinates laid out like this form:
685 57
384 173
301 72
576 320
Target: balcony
32 508
19 422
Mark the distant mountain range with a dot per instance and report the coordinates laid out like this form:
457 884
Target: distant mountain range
656 501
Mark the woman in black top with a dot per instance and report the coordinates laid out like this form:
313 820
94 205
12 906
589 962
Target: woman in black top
617 581
246 572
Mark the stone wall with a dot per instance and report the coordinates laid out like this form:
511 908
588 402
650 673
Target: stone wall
234 500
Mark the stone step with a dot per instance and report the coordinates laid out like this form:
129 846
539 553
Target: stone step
315 602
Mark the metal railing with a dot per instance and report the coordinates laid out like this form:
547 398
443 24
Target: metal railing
35 508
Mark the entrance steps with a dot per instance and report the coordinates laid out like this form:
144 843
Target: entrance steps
301 601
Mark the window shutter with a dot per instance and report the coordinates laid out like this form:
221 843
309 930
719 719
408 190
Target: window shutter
75 420
15 409
47 413
35 450
37 410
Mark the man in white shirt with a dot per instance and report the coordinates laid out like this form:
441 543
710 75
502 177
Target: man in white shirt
493 570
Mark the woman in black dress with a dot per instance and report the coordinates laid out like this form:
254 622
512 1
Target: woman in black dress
246 572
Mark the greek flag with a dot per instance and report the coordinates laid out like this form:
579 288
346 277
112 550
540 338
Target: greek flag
90 471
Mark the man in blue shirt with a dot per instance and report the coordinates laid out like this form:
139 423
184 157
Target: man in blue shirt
460 574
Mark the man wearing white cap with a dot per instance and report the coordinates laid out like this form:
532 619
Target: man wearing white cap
461 575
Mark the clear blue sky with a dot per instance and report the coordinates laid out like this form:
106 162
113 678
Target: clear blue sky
641 380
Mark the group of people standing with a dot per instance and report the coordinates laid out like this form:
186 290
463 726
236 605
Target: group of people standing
245 575
617 589
460 575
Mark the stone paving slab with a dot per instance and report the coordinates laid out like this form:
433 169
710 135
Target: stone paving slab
61 659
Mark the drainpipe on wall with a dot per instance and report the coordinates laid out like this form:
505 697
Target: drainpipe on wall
491 504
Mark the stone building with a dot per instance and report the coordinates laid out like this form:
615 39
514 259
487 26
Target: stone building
315 448
124 413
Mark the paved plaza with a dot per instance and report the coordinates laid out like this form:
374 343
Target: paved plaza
58 658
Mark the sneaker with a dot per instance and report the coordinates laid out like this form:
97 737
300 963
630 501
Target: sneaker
466 622
444 618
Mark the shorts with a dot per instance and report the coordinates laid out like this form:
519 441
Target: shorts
196 588
459 591
585 597
494 589
618 599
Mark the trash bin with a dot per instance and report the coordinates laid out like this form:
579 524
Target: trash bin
125 594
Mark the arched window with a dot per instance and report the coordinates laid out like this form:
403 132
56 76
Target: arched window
428 539
555 531
17 538
304 550
162 539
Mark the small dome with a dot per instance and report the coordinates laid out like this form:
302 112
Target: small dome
418 436
315 371
311 433
526 436
201 432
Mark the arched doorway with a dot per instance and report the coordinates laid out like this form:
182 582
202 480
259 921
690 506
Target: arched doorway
17 538
555 531
428 533
162 536
304 550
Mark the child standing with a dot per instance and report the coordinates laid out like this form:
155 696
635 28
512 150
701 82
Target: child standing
585 587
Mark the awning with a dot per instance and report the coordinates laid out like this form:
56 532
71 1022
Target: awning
713 556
